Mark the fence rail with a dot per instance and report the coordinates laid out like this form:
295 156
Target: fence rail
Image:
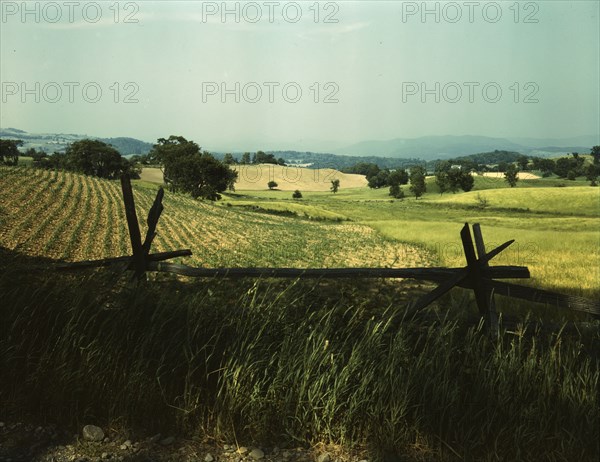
477 275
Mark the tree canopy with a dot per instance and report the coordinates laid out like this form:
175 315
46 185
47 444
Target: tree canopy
96 158
9 151
417 181
187 169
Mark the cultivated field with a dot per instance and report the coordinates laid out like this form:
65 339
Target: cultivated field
557 229
348 364
74 217
256 177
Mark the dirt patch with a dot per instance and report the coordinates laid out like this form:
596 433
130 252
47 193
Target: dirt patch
152 175
521 175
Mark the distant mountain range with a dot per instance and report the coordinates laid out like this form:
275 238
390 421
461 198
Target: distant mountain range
50 142
426 148
446 147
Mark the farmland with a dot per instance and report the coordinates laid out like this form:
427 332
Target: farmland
553 226
266 362
73 217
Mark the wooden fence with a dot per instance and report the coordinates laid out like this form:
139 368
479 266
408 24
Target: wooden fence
476 275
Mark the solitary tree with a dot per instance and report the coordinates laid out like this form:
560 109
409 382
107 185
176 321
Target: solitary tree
591 174
187 169
9 151
228 159
396 191
297 194
442 182
511 175
466 181
335 185
245 158
417 181
454 178
272 184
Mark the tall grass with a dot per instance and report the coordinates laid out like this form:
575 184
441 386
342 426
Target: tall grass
265 362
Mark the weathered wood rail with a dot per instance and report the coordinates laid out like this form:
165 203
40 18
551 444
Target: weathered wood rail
477 275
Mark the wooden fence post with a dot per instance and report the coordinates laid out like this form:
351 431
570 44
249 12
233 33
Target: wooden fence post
139 262
475 272
491 315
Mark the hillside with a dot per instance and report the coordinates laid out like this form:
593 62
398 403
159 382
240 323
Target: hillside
256 177
74 217
445 147
51 142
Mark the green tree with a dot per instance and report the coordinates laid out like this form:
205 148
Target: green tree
454 179
442 182
523 162
396 191
380 180
417 181
9 151
263 158
245 158
511 175
591 174
272 184
466 181
97 158
398 176
335 185
297 194
187 169
596 155
545 166
228 159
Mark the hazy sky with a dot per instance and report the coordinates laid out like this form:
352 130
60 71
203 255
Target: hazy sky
306 75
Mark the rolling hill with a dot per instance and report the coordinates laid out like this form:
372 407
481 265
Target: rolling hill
445 147
256 177
75 217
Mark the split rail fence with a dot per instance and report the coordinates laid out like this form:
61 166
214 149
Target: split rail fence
476 275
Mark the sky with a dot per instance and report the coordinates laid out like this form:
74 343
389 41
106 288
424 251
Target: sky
277 75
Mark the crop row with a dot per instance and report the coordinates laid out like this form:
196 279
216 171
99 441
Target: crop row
73 217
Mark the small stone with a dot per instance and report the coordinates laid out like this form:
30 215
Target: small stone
106 440
127 443
286 454
167 441
325 457
123 447
257 454
242 449
209 458
105 455
92 433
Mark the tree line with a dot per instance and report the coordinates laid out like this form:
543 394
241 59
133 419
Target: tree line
186 168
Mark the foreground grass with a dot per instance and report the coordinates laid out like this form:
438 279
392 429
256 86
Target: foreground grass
295 362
